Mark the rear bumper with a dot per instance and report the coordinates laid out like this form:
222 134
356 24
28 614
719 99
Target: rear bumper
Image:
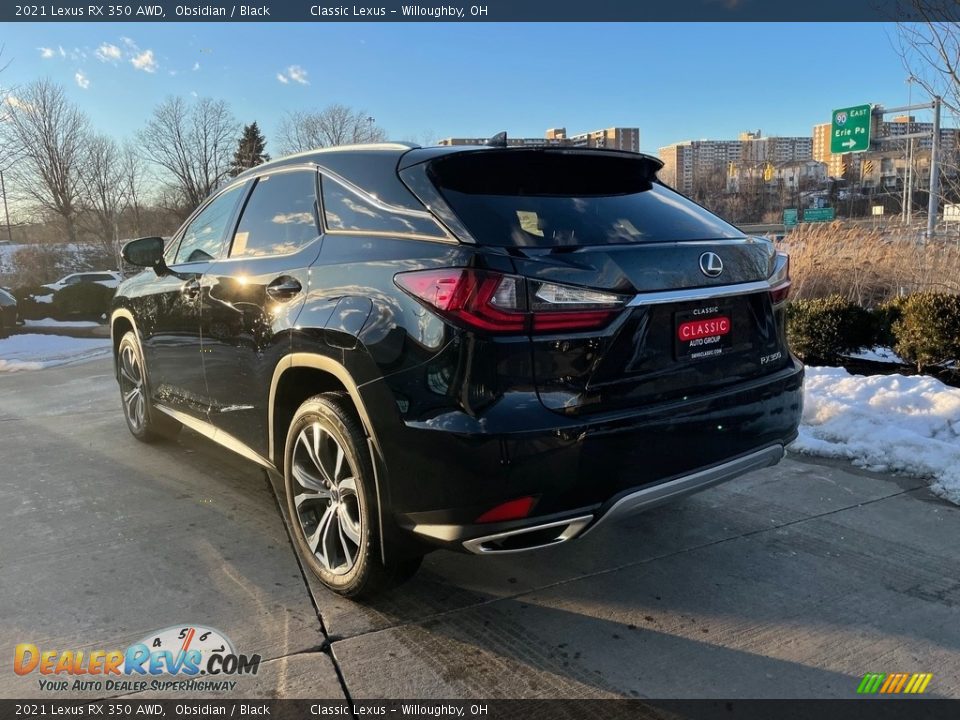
581 472
546 532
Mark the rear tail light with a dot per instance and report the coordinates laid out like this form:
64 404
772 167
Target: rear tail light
780 280
510 510
498 303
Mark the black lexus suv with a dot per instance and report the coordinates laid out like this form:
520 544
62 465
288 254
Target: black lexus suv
477 348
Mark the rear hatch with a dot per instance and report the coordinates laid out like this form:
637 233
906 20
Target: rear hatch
697 313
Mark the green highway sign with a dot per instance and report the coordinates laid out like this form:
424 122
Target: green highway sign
790 217
850 131
818 215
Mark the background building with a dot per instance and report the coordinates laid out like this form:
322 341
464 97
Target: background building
693 164
614 138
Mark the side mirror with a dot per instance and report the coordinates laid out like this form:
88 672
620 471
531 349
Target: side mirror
146 252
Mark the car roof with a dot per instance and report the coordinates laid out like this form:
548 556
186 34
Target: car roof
411 154
330 156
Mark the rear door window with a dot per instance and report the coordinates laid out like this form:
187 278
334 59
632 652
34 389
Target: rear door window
551 199
347 211
280 217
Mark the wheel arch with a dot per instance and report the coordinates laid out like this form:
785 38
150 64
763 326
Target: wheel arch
301 375
121 322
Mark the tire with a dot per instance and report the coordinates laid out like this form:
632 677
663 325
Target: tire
145 422
331 500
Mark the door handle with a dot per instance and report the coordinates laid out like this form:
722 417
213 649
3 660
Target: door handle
284 288
191 288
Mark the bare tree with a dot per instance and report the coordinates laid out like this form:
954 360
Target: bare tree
132 177
930 50
103 194
334 125
193 144
47 134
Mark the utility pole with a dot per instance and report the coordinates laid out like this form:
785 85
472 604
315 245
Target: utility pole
6 210
934 203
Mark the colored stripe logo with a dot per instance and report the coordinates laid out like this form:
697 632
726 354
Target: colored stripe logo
894 683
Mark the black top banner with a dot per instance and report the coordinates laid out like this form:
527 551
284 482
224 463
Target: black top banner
483 11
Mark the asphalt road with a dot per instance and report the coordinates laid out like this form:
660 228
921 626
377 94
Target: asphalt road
790 582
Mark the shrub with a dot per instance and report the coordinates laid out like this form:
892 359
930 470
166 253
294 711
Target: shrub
823 329
884 317
35 264
928 331
84 300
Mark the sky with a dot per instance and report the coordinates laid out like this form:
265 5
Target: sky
424 81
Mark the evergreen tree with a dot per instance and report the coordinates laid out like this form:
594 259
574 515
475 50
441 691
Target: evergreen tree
250 150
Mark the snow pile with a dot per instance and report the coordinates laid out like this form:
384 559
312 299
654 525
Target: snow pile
884 423
51 323
878 354
35 352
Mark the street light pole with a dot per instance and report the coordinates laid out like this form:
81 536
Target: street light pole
934 202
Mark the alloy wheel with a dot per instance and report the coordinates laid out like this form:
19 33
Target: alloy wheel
326 499
131 387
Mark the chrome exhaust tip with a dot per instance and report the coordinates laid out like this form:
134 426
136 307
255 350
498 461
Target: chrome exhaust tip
528 538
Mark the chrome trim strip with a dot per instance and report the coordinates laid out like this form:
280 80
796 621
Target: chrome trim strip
688 484
659 297
216 434
574 526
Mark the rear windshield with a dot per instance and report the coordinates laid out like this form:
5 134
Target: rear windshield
550 199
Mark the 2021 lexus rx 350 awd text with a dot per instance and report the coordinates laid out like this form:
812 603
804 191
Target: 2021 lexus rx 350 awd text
475 348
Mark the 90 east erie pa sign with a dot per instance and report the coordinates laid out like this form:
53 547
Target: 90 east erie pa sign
850 130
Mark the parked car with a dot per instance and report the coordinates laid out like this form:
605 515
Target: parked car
481 349
107 278
8 312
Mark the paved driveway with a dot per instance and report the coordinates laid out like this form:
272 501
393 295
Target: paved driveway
790 582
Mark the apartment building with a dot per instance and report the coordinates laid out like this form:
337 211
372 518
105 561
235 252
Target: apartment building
851 165
613 138
690 164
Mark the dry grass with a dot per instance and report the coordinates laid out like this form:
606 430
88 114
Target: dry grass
869 266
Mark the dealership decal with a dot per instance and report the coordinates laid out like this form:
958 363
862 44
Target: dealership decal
174 658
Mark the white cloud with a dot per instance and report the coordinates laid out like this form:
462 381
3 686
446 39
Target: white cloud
82 80
145 61
193 93
196 66
46 53
129 43
295 73
63 53
298 74
108 53
14 101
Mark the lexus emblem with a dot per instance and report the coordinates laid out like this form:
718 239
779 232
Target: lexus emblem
710 264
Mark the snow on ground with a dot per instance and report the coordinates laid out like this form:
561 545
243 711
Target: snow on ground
886 423
878 354
35 352
50 322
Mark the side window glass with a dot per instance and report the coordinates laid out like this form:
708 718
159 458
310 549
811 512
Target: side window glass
347 211
205 235
280 216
